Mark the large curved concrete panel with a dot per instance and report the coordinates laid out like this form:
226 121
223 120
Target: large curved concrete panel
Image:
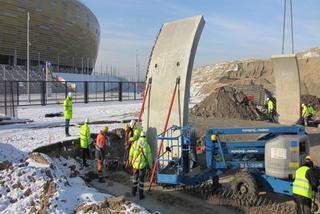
288 93
172 57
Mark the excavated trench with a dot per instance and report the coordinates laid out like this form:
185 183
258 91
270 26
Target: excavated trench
166 200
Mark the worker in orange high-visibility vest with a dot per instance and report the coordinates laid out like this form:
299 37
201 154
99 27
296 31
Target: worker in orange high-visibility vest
102 141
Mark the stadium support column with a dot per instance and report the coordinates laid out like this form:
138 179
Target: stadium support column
82 65
58 63
28 62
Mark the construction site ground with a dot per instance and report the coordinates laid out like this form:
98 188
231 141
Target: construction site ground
20 139
171 200
158 199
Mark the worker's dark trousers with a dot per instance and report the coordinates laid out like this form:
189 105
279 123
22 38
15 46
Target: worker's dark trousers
126 155
271 115
302 206
138 181
67 126
303 209
85 155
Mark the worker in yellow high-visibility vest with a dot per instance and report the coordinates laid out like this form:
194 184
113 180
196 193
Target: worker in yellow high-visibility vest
140 158
271 110
85 141
304 183
67 107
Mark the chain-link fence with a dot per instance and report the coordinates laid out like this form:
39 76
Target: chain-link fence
8 99
15 93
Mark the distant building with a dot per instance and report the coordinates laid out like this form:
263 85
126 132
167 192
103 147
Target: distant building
64 32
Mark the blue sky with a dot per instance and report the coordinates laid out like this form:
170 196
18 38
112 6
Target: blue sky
234 29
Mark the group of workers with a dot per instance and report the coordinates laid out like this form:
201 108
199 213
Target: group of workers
307 112
137 154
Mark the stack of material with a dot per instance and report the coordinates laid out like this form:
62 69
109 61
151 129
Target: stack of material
228 103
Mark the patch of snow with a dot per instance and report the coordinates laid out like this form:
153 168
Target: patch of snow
22 185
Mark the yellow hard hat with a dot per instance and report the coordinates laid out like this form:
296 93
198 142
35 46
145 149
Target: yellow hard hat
308 158
213 137
105 129
126 126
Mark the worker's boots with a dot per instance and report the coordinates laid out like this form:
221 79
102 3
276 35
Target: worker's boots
101 179
141 195
134 193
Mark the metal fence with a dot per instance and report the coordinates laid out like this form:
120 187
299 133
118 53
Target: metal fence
53 92
8 99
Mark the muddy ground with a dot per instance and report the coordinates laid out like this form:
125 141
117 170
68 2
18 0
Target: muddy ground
172 201
118 182
158 199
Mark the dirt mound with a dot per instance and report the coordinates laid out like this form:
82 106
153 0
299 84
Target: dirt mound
39 158
49 189
108 205
227 102
5 165
255 71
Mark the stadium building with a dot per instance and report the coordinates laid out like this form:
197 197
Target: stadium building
64 32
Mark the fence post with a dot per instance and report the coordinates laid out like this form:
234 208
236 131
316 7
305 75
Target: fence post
43 93
12 100
65 89
86 92
120 91
5 98
134 90
104 91
17 93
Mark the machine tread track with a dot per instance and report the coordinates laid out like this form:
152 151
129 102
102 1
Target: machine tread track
245 183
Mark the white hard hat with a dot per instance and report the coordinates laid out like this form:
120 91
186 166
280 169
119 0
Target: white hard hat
70 94
267 98
132 123
303 105
86 120
142 134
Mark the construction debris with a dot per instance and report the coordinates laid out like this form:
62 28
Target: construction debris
229 103
59 114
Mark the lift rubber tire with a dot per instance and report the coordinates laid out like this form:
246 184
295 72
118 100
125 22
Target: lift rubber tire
244 183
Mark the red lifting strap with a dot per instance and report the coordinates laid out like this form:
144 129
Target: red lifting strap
145 94
164 131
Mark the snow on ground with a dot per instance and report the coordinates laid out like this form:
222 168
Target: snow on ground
42 131
25 184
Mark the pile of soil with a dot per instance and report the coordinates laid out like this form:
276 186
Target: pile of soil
228 103
49 189
117 143
108 205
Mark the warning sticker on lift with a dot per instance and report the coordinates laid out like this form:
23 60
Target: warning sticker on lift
279 153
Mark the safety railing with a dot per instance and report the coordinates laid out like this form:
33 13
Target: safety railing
27 93
170 164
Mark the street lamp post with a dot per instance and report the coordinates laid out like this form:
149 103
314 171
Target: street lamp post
28 62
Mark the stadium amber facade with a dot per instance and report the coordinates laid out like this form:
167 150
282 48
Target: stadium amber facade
64 32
